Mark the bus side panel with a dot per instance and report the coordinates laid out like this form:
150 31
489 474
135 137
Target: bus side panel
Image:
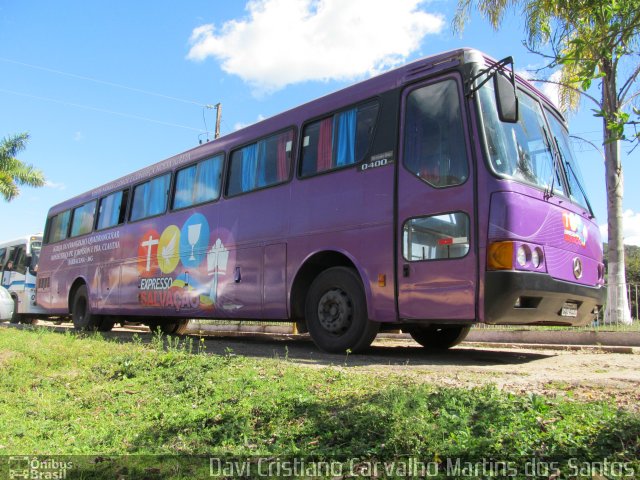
350 212
275 282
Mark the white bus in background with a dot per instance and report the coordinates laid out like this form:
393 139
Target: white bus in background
19 264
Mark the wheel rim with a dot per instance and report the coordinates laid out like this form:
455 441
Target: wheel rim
335 311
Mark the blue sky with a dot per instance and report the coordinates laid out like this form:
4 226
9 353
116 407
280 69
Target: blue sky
106 88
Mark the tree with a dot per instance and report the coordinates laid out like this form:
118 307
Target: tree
590 40
13 172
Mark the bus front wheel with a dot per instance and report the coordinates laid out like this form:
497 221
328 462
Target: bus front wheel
439 337
336 312
81 315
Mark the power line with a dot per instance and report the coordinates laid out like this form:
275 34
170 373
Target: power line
96 109
102 82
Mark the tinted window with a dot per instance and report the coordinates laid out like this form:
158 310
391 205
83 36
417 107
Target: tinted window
436 237
198 183
59 227
150 198
340 140
82 222
112 210
434 138
261 164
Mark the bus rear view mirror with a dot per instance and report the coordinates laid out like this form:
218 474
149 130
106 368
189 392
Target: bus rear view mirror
506 98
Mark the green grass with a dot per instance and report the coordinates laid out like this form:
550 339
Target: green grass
62 394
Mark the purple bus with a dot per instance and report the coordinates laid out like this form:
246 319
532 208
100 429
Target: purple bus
429 198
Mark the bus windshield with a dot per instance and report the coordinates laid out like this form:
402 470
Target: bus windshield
521 151
574 175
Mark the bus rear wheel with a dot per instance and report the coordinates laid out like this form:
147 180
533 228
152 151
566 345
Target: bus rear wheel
439 337
336 312
83 319
178 327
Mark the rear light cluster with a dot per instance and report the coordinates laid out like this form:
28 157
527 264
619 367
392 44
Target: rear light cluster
515 255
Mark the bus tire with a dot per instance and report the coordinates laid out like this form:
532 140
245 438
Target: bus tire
16 317
83 319
106 324
438 337
178 327
336 312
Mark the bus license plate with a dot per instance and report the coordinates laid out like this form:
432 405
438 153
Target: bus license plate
569 310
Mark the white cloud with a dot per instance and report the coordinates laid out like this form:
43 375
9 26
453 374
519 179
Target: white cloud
55 186
239 125
78 136
282 42
631 231
551 90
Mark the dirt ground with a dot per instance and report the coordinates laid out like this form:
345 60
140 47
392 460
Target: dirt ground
585 374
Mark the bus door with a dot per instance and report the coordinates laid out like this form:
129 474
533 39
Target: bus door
436 255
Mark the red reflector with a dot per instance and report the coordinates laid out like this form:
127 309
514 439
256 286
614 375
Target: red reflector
445 241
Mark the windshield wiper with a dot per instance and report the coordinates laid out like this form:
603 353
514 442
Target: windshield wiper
548 193
575 177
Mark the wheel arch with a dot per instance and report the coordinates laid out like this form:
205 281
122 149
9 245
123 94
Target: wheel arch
310 268
77 283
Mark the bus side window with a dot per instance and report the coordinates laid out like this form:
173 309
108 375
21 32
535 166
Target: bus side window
436 237
261 164
112 208
199 183
337 141
150 198
434 136
59 227
82 220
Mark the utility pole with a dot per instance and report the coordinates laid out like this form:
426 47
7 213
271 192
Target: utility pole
218 119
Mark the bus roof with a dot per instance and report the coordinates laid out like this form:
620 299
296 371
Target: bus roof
37 237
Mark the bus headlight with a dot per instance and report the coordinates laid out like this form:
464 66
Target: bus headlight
523 255
536 257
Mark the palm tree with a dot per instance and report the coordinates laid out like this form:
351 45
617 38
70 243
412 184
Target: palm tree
13 172
589 40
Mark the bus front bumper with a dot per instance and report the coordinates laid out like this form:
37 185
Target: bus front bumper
526 298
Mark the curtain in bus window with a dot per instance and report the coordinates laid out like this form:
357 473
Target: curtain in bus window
208 177
325 140
249 165
139 207
109 212
285 141
434 146
261 163
345 138
185 187
158 190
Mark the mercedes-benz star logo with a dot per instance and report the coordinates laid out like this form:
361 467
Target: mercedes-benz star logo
577 268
